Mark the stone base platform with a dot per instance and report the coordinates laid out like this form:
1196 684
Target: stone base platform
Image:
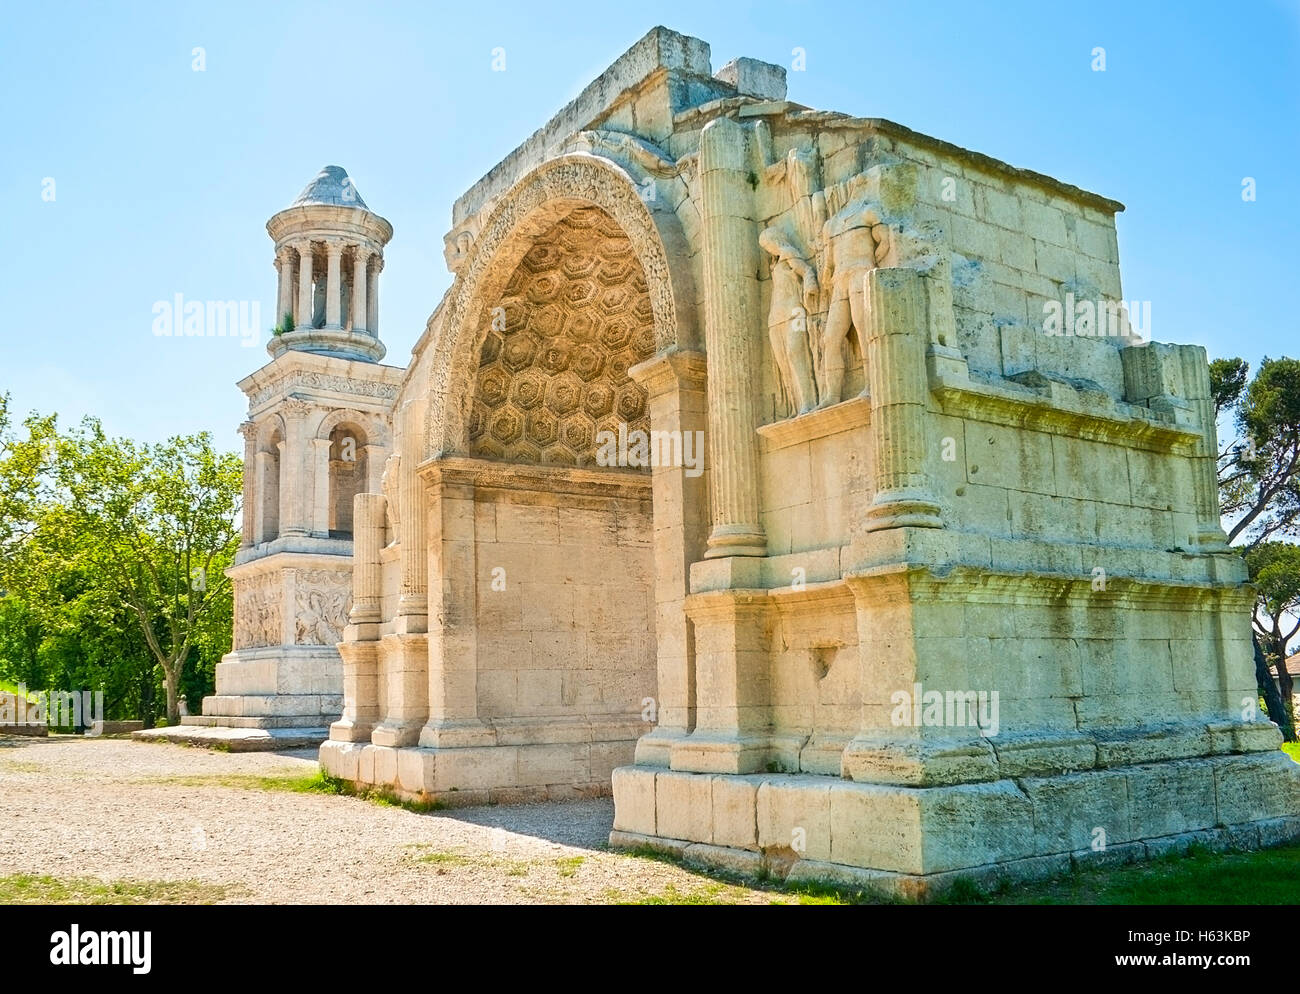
269 711
30 730
234 739
491 774
912 843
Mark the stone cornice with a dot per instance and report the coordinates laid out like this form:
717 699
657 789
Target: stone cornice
1061 414
500 475
362 384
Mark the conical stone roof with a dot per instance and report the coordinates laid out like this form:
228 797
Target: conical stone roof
333 187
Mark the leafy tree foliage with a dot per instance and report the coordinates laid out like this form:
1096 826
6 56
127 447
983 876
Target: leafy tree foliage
1259 491
112 564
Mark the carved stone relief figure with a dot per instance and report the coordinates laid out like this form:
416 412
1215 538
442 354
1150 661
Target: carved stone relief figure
796 292
321 603
855 240
388 487
257 613
794 281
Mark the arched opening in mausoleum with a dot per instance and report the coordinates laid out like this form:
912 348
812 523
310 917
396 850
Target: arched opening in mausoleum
347 476
268 469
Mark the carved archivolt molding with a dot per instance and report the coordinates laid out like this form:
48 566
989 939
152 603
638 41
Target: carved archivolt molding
524 213
376 428
553 369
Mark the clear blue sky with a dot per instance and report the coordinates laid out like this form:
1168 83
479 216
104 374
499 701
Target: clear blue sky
165 177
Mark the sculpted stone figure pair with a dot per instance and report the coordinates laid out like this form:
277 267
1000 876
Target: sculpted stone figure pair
808 320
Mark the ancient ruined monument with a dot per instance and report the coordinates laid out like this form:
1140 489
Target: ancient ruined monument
317 435
951 593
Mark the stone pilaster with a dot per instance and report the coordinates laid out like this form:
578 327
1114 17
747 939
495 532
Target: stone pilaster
321 496
676 386
305 287
1195 370
733 685
369 512
266 528
295 469
360 257
375 458
897 336
453 642
333 285
248 514
360 646
732 328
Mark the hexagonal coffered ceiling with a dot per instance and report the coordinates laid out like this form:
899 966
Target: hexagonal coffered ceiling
577 316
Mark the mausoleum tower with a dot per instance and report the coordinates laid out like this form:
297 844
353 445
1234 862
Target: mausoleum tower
317 434
329 252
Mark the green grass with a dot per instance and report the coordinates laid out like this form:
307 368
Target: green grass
1267 877
568 865
318 782
1292 749
25 889
440 858
1201 877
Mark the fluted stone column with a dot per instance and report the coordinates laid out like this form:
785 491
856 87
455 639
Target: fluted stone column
360 257
732 329
897 336
372 296
248 532
284 284
413 595
333 284
305 289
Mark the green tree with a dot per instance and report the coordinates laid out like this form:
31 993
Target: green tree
156 525
24 480
1275 571
1259 492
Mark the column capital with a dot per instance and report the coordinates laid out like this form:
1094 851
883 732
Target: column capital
676 370
334 246
282 254
296 409
249 429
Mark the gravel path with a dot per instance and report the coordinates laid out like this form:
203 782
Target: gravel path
116 810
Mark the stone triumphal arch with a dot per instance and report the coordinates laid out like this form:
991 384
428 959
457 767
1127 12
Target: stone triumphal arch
946 592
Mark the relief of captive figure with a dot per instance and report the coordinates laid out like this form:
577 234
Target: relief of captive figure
795 290
794 293
807 333
856 241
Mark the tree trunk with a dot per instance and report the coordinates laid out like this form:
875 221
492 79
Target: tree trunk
1279 712
1284 687
171 682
